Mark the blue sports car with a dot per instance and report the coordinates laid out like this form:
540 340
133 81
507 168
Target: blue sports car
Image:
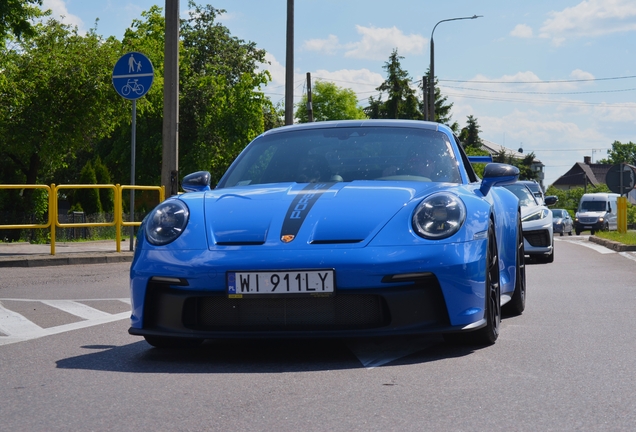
334 229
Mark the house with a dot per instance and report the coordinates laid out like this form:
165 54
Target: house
586 173
494 149
583 174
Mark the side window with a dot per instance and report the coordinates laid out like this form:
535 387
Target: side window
472 176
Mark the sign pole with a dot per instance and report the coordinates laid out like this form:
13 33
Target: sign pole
133 144
133 75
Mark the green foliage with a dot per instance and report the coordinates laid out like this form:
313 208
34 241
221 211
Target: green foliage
102 176
525 165
401 102
330 102
475 151
569 199
15 16
469 135
88 198
222 107
57 98
620 153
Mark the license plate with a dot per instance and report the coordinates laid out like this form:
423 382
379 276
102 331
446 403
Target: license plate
280 282
587 226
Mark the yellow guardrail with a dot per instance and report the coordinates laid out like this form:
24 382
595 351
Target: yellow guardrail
53 219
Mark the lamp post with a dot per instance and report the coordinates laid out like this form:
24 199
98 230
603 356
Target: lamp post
431 71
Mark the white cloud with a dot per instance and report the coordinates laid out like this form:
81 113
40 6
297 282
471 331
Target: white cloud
590 18
362 81
522 31
60 12
327 46
378 43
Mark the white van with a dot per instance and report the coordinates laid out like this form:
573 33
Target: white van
596 212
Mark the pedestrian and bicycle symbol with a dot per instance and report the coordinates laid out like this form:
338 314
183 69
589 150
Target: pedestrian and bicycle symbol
133 75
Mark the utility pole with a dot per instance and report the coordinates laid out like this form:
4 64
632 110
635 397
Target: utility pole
289 66
170 136
425 97
310 108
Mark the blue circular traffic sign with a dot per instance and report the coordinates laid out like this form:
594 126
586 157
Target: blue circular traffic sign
133 75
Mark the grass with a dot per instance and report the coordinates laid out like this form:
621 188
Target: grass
629 238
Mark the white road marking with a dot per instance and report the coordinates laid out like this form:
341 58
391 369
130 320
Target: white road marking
628 255
13 323
588 244
77 309
17 328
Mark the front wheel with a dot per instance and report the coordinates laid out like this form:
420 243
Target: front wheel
517 304
488 334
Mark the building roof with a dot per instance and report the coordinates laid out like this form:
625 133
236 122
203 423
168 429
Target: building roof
582 173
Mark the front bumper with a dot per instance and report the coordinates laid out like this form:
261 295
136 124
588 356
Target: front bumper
538 242
183 293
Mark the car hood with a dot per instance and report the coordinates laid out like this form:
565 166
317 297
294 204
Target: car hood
300 214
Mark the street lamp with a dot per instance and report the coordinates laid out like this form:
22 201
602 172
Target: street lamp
431 71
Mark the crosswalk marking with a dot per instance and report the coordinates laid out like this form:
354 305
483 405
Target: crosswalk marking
17 328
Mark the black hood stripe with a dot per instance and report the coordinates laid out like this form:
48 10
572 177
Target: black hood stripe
300 207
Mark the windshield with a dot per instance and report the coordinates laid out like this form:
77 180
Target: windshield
345 154
526 198
558 213
593 206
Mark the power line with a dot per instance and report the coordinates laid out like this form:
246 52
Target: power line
540 93
540 81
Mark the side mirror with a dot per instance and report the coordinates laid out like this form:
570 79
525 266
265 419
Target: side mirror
196 182
551 200
496 174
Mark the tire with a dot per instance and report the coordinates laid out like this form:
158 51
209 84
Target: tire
570 232
561 234
578 232
165 342
592 232
488 334
517 304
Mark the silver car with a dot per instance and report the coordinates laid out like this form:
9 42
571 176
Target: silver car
561 222
536 223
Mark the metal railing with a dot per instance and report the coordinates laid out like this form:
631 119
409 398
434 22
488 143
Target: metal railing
53 217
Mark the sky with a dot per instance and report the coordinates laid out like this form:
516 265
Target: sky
556 78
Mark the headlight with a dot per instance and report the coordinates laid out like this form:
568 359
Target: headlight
600 219
166 222
539 214
439 216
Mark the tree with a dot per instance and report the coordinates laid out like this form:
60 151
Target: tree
222 107
88 199
330 102
525 164
57 102
15 16
401 102
469 135
620 153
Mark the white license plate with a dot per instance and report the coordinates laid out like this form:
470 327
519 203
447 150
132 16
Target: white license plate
587 226
280 282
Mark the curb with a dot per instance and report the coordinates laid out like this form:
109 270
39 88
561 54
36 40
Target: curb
613 245
48 260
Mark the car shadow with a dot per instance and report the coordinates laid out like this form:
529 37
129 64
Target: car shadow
256 356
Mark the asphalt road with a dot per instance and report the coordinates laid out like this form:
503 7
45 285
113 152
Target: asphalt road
566 364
